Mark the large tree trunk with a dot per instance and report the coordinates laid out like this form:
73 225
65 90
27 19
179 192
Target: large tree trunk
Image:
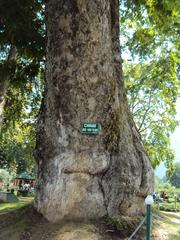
6 71
87 176
3 88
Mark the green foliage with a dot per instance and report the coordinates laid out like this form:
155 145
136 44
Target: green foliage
160 187
152 94
150 33
5 177
18 132
21 26
22 41
175 178
169 207
22 192
16 149
22 50
149 30
157 182
22 103
168 188
154 25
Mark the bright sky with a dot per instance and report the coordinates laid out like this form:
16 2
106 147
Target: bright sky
175 143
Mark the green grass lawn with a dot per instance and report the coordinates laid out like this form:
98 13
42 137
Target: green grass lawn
8 207
169 206
14 218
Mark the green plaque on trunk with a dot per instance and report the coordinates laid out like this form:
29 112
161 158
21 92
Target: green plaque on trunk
90 128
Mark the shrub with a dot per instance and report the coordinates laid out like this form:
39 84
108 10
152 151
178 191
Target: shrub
23 193
12 190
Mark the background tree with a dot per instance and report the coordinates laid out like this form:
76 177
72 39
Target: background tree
21 49
150 28
175 178
21 73
149 33
17 135
5 177
152 99
16 150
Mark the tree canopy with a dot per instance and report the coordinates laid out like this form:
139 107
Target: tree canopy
22 47
175 178
22 55
149 33
149 38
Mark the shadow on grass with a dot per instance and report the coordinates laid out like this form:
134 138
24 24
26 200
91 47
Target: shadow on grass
9 207
17 219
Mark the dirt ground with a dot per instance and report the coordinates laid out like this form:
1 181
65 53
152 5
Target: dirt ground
167 227
26 224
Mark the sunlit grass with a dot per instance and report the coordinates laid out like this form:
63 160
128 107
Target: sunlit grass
7 207
174 237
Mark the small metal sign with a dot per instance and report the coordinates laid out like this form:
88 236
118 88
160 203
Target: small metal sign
90 128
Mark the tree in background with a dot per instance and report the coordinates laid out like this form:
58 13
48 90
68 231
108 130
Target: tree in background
149 32
175 178
5 176
18 132
152 101
21 72
21 51
16 149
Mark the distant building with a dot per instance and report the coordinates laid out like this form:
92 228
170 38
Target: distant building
24 178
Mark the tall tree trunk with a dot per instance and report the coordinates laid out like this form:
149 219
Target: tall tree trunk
6 71
87 176
3 88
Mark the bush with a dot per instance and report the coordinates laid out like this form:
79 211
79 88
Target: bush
168 209
23 193
12 190
31 193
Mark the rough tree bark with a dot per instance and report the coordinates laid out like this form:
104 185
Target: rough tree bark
9 68
82 176
3 88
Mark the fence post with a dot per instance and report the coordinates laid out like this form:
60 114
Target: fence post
158 205
175 201
148 202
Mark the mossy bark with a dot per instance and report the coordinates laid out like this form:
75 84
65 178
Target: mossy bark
82 176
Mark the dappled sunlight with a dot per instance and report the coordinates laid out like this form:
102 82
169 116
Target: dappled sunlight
7 207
